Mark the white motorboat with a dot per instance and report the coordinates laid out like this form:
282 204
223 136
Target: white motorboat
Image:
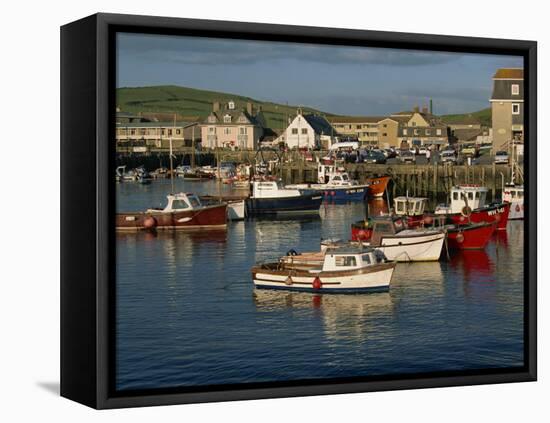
339 270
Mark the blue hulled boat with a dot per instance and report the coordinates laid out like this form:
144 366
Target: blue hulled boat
271 197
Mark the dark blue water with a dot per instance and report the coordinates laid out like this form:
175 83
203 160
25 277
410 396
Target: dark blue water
188 315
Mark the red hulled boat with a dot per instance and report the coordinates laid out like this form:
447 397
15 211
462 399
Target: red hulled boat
472 236
183 211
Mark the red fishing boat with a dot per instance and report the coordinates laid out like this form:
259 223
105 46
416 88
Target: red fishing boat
468 206
377 185
472 236
183 211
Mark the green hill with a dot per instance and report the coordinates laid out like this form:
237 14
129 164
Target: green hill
481 116
194 104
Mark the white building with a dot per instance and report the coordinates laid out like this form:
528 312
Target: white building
308 131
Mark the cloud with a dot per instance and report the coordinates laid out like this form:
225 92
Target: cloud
209 51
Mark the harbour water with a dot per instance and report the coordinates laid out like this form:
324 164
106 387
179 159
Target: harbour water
188 314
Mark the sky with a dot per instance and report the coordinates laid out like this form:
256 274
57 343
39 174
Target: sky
334 79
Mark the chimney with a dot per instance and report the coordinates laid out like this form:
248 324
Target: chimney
425 110
416 109
249 107
431 107
216 106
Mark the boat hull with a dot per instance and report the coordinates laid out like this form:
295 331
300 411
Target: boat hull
470 237
425 247
516 210
491 214
335 194
209 217
284 205
377 185
372 279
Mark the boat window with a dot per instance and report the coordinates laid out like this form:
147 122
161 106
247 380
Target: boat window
520 194
477 195
400 206
417 208
455 195
179 205
346 261
470 196
384 227
513 194
194 201
337 178
366 259
345 177
482 198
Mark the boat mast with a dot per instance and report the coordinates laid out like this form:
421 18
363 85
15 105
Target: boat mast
172 157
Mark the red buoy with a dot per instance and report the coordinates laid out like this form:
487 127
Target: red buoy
317 284
518 208
150 222
428 220
460 238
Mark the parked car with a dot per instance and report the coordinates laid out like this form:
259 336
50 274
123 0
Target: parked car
373 156
501 157
422 150
447 156
390 153
468 151
407 156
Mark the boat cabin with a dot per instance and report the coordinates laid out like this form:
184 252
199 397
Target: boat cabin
409 206
332 175
472 196
340 259
513 193
179 202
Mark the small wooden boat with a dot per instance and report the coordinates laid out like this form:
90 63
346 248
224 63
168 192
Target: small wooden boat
183 211
391 236
236 208
352 270
271 197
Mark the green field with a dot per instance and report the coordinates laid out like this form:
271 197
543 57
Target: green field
482 116
193 104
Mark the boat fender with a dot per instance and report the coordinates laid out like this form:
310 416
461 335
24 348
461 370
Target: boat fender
292 252
518 208
466 211
289 281
361 234
317 284
460 238
428 220
150 222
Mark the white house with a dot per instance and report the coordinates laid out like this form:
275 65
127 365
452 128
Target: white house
308 131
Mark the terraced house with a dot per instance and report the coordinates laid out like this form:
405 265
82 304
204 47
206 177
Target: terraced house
507 107
364 129
230 126
422 128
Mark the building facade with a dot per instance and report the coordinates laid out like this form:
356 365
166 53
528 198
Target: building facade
308 131
143 137
230 127
507 104
361 128
423 128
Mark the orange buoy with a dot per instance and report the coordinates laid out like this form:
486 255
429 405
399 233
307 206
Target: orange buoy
460 238
428 220
150 222
317 284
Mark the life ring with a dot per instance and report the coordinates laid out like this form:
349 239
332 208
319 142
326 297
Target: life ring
150 222
317 284
466 211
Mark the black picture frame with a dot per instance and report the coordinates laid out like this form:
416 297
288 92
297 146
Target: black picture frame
87 207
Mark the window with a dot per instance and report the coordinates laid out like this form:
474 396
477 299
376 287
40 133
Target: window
385 134
428 132
470 196
366 258
179 205
400 206
515 89
178 131
211 130
304 131
413 123
169 132
404 132
227 131
194 201
477 195
455 195
515 109
438 131
242 131
227 118
416 132
294 131
385 125
346 261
